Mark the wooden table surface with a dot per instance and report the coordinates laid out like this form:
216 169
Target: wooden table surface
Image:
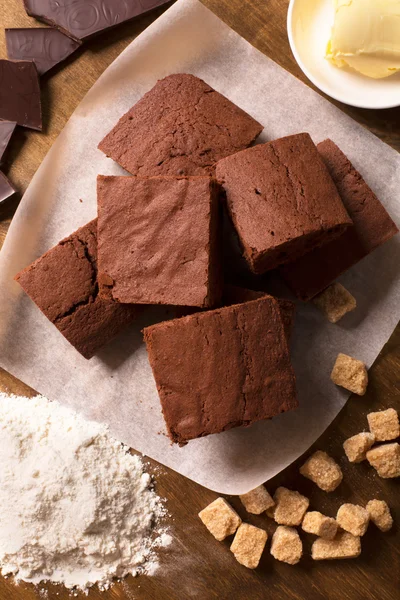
196 566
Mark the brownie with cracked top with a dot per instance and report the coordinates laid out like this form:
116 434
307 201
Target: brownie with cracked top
158 240
372 227
182 126
233 294
63 284
221 369
282 200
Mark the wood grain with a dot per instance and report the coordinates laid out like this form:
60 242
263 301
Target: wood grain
196 566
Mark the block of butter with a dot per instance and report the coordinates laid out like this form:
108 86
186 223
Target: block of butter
366 36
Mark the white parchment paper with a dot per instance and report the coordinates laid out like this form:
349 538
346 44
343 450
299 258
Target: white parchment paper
117 386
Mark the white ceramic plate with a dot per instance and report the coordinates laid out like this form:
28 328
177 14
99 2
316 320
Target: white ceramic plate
309 24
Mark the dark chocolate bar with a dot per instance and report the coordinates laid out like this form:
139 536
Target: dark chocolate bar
46 46
82 19
20 93
6 131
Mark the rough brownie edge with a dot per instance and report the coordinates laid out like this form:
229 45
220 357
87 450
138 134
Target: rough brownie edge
317 229
214 128
214 269
373 226
233 294
88 322
279 389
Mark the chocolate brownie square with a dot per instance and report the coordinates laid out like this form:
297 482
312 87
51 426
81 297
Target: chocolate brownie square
221 369
282 200
63 284
182 126
158 240
372 227
233 294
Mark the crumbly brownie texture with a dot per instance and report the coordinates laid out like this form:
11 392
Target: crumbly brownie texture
229 374
282 200
372 227
63 284
232 294
182 126
158 239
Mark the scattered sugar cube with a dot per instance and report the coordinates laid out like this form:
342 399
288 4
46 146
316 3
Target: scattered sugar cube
353 518
286 545
220 519
248 545
290 507
335 302
257 501
379 513
384 424
351 374
345 545
386 460
320 525
323 471
356 446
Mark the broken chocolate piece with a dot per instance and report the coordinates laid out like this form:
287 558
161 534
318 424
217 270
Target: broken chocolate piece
6 131
6 188
83 19
46 46
20 93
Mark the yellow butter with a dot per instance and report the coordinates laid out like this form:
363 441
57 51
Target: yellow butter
366 36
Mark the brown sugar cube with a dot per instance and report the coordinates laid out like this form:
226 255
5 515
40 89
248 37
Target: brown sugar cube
386 460
335 301
220 519
290 507
384 424
320 525
345 545
356 447
323 471
379 513
353 518
257 501
351 374
286 545
248 545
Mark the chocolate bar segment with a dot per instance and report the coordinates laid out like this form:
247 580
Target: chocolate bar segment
221 369
6 188
20 93
6 131
182 126
282 200
372 227
46 46
82 19
63 284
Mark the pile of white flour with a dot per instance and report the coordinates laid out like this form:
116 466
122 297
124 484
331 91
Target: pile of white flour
75 507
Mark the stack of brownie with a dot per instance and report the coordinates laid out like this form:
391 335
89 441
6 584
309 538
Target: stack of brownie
157 240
